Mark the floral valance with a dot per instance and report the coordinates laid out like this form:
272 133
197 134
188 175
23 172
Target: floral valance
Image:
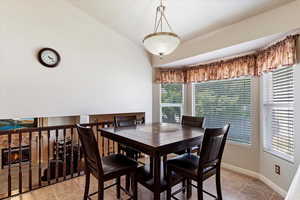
280 54
170 76
222 70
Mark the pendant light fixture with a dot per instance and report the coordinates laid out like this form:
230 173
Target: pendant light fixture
161 42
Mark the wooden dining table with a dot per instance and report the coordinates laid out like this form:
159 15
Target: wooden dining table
156 140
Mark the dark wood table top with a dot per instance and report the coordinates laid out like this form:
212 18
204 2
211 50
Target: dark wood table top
156 137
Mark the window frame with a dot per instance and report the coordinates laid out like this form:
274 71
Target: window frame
180 105
267 107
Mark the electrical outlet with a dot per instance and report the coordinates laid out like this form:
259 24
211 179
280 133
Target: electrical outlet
277 169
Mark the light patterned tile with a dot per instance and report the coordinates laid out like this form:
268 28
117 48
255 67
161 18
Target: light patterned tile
234 187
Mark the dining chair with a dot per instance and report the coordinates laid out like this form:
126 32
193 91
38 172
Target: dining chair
200 168
192 121
128 121
123 122
106 168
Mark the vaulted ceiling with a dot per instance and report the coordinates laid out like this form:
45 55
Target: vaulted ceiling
189 18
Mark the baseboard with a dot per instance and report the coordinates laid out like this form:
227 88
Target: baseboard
256 175
272 185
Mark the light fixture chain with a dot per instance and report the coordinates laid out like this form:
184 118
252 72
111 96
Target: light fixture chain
164 16
155 20
159 22
161 18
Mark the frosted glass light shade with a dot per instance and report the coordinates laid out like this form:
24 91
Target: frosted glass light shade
161 43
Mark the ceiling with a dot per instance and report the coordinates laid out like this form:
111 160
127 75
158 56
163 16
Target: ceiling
189 18
231 52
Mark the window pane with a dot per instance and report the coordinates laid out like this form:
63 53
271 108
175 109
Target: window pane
171 102
226 101
171 114
171 93
278 111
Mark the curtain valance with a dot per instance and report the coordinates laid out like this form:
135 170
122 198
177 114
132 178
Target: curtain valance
280 54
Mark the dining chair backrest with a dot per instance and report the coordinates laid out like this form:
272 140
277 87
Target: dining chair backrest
213 147
125 121
90 150
192 121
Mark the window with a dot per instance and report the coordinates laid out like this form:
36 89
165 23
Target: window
278 112
225 101
171 102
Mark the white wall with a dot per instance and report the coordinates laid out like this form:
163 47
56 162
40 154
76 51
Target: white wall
59 121
100 71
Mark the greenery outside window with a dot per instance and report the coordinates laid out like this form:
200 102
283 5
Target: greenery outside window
225 101
171 102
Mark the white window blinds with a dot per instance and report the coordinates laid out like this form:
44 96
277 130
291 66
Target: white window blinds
171 102
226 101
279 112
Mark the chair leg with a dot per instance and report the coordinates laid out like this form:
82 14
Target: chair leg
200 190
165 158
127 182
134 186
218 184
188 188
118 181
87 185
100 190
183 185
169 186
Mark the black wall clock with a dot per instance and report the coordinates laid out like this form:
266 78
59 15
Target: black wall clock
48 57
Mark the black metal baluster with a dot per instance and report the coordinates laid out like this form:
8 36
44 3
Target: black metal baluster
98 140
9 163
20 162
30 161
103 144
97 127
78 155
40 156
72 153
65 157
56 157
108 150
48 161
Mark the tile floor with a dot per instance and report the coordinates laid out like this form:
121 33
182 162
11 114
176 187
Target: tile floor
235 187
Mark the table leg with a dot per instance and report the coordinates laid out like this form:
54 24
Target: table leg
189 181
157 177
151 165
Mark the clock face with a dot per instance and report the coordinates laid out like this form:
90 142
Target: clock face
49 57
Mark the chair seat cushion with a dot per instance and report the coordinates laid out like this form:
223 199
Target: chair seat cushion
188 164
116 164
